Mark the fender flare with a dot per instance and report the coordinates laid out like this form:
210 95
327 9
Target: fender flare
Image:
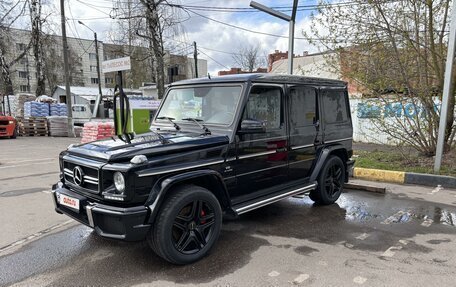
324 154
165 184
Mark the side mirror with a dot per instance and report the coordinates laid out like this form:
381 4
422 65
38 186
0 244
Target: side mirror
252 127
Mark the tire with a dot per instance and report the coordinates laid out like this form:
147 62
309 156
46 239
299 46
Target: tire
187 225
330 182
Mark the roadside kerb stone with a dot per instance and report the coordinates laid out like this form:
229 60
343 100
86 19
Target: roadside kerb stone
404 177
430 179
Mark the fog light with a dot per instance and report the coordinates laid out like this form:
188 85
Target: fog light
119 182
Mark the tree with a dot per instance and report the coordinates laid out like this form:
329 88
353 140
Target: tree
54 59
37 44
10 11
147 23
249 57
396 51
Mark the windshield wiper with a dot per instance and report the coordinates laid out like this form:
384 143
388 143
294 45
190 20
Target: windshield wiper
171 120
202 126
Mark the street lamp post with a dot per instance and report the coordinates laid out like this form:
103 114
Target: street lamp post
99 97
291 21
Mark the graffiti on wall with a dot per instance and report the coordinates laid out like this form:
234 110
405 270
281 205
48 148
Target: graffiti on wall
371 109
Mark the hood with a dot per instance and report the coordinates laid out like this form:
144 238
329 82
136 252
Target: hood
149 144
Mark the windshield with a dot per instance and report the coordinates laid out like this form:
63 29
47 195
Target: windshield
212 105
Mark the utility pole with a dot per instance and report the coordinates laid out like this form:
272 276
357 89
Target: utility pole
291 20
446 91
66 70
97 107
100 95
195 57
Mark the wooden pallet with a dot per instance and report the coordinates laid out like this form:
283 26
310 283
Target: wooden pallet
33 126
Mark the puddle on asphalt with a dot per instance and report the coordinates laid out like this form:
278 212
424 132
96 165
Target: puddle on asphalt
359 211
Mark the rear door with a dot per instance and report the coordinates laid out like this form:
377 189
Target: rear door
262 158
335 116
303 123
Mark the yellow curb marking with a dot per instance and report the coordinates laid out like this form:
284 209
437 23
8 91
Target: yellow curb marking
379 175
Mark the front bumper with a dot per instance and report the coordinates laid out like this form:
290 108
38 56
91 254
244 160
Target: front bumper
127 224
7 131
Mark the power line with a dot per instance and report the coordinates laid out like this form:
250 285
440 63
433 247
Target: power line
242 28
199 50
279 8
78 39
95 8
205 48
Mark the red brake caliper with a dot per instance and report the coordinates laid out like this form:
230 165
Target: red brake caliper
202 215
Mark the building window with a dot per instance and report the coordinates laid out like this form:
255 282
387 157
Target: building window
93 68
92 56
24 61
24 88
109 81
22 74
94 80
20 46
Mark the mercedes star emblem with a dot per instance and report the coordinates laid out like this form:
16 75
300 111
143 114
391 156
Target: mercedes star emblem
78 176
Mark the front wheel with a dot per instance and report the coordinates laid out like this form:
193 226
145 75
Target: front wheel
330 182
187 226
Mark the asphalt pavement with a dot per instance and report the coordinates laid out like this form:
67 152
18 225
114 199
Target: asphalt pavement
405 237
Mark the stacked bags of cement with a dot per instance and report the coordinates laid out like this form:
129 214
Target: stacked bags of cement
93 131
58 110
36 109
58 126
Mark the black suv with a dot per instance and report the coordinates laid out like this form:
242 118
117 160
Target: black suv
225 145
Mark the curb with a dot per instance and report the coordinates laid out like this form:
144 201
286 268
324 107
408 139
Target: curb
404 177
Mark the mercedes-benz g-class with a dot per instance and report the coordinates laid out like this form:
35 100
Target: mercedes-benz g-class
225 145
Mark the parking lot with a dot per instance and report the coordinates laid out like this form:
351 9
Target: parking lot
405 237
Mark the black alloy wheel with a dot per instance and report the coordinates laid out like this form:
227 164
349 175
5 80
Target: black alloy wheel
330 182
333 181
187 225
193 227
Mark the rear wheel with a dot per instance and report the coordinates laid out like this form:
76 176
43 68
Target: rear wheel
187 226
330 182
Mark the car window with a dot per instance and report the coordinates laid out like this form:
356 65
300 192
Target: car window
264 105
212 104
79 109
302 106
335 106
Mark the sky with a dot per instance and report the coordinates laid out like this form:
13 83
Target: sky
216 42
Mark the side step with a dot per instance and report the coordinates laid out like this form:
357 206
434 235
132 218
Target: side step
265 200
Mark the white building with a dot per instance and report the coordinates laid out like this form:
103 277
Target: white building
83 64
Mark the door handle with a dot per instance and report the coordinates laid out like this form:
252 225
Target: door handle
281 149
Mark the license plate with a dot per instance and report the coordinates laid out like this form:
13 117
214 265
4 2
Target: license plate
68 201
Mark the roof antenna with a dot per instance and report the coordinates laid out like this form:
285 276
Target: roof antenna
209 76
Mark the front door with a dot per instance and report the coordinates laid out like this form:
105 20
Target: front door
262 158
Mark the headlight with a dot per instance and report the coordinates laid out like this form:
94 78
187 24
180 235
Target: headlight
119 182
11 122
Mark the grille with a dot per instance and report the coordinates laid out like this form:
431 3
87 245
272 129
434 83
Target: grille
4 123
90 177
